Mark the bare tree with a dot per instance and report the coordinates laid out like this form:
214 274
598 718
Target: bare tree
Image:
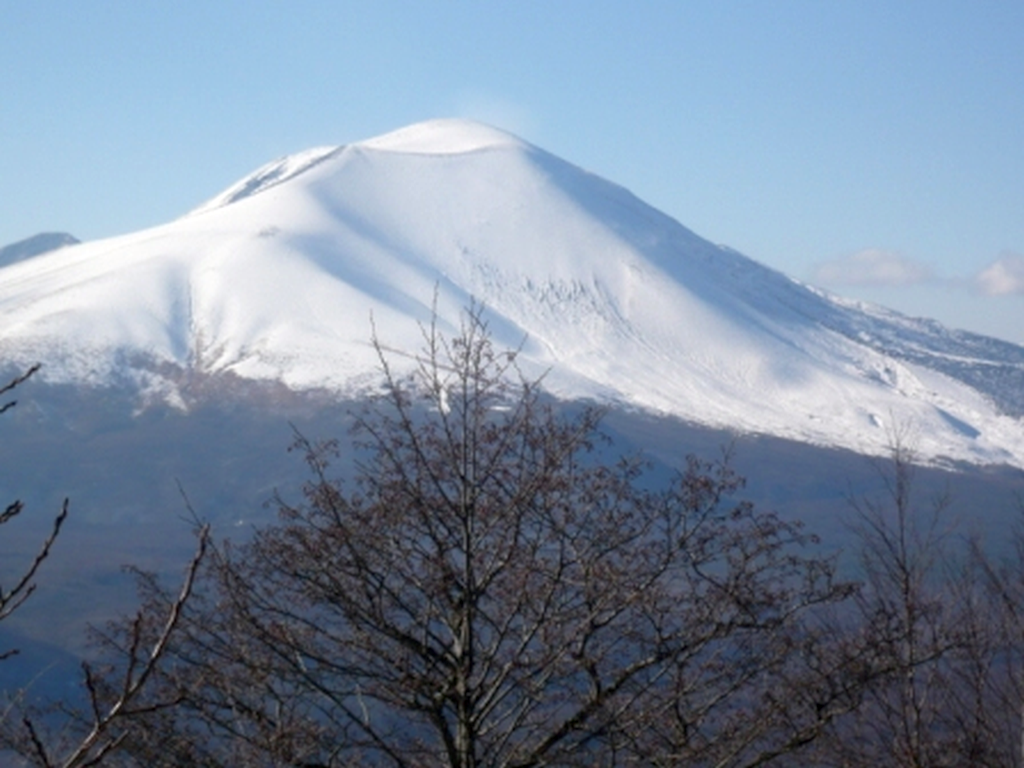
991 685
64 736
904 608
23 585
92 737
487 591
939 625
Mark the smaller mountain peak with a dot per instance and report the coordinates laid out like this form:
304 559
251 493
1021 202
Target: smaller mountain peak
448 136
35 245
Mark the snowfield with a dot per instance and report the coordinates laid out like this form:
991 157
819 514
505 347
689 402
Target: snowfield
278 278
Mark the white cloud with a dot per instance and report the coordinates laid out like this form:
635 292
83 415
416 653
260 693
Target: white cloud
872 266
1003 276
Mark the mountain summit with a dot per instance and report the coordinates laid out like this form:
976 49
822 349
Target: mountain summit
277 278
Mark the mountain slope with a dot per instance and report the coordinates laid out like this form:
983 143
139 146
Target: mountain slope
276 280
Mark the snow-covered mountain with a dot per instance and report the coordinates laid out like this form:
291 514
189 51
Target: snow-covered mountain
276 279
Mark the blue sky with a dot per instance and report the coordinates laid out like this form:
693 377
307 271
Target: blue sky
873 148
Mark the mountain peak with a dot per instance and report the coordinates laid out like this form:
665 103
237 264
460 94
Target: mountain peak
35 245
444 136
447 136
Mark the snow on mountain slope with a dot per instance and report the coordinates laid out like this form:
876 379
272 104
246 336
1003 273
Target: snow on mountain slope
277 279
